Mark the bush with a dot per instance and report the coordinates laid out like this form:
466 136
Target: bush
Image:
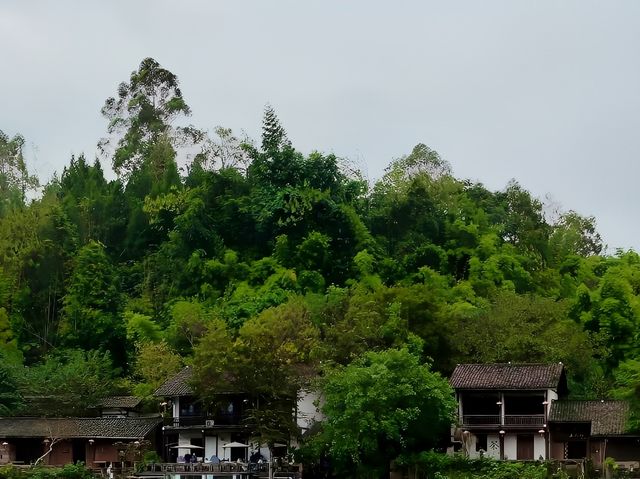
10 472
434 465
70 471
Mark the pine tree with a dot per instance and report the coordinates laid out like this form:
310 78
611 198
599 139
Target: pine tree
273 135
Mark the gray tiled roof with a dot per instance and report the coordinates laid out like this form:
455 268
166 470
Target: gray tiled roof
507 376
178 385
124 402
100 427
606 417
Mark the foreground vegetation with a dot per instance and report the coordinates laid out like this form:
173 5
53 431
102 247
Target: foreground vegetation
265 267
71 471
428 465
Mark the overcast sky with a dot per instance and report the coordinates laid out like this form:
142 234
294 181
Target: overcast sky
546 92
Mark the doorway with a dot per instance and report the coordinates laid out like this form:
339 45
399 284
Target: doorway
79 450
525 447
576 450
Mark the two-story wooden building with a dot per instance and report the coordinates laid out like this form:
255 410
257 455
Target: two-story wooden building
201 432
225 432
504 409
521 412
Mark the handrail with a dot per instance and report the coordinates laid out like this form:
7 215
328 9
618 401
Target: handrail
201 420
239 468
506 420
523 419
481 419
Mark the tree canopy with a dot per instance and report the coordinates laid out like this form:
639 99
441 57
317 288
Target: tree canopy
263 266
382 405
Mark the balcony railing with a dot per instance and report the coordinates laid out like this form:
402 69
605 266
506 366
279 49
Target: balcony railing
481 420
185 421
204 421
510 420
524 420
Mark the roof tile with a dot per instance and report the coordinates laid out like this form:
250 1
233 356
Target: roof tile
78 427
606 417
125 402
177 385
507 376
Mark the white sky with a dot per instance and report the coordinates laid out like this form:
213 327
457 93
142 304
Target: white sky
546 92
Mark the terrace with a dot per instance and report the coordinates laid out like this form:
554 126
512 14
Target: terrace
515 410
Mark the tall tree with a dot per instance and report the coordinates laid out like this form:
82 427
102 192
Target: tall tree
142 113
15 179
91 318
223 150
97 207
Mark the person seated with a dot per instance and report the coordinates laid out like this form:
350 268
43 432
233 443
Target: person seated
214 459
180 459
194 458
187 458
255 457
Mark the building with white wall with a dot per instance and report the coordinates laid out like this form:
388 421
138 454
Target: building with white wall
503 409
191 428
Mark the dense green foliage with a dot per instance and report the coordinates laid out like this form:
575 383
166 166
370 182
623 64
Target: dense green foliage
380 406
262 266
70 471
439 466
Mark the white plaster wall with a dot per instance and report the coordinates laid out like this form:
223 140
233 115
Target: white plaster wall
210 446
492 440
539 447
551 396
264 450
223 438
176 406
185 437
307 412
493 446
510 446
470 443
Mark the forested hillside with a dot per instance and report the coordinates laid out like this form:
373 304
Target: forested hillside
256 258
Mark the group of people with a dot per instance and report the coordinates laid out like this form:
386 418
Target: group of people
190 458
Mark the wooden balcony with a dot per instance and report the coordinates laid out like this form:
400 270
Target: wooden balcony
205 420
524 420
492 421
481 420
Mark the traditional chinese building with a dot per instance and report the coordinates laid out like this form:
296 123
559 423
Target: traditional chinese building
521 412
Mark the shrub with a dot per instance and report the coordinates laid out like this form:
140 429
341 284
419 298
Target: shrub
70 471
434 465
